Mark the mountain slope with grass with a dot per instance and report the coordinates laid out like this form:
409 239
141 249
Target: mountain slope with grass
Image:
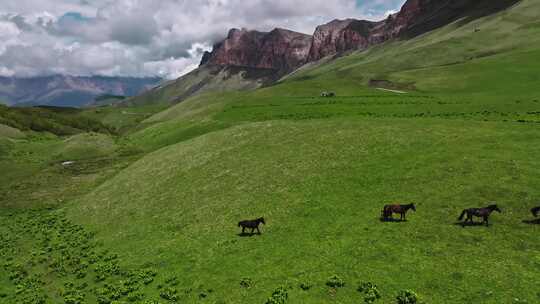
152 214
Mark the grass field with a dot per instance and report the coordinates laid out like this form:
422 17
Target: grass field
149 215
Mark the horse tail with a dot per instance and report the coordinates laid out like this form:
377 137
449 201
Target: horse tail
239 224
462 214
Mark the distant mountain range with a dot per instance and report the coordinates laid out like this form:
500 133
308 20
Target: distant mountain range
69 91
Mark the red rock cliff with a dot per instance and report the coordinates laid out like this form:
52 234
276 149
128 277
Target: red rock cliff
284 50
280 50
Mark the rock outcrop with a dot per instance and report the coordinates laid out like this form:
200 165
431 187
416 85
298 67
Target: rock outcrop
339 36
280 50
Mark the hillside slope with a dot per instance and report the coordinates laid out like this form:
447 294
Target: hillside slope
319 170
204 79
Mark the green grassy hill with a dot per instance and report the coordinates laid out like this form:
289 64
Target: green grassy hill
164 205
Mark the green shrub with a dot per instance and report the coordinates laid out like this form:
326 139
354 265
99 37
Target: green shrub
335 282
170 294
279 296
407 297
135 296
147 276
172 281
246 283
305 286
370 292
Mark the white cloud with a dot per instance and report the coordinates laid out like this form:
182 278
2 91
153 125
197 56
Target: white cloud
145 37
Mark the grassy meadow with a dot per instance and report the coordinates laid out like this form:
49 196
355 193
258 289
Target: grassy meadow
148 211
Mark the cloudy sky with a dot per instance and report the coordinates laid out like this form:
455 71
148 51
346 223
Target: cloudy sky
147 37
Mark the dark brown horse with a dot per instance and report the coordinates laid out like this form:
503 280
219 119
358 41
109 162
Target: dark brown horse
535 211
388 210
251 224
478 212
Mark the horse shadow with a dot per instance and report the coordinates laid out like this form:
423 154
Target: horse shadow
391 220
248 234
532 222
471 224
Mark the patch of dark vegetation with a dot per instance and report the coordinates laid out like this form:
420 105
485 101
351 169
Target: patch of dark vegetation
109 97
246 283
64 252
303 78
387 84
305 286
369 291
407 297
279 296
59 121
335 281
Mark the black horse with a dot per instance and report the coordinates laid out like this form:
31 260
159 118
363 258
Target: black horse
388 210
478 212
535 211
252 224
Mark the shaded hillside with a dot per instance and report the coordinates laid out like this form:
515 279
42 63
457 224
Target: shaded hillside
59 121
207 78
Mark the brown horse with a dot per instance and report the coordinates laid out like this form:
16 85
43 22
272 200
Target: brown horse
535 211
388 210
478 212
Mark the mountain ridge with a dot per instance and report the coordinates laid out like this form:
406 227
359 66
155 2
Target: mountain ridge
65 90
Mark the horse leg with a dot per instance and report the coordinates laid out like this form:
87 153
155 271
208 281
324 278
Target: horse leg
486 221
258 231
243 229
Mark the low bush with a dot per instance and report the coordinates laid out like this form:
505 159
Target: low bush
369 291
169 293
306 286
407 297
246 283
279 296
335 282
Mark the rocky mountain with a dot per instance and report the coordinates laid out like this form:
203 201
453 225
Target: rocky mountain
280 50
70 91
249 59
416 17
340 36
